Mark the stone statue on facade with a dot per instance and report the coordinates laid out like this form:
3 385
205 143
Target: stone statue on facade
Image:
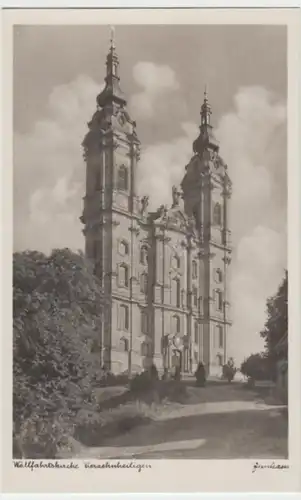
144 204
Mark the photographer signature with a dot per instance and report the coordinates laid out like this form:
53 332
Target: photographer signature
272 465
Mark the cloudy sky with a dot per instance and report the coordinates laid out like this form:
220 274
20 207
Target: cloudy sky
58 71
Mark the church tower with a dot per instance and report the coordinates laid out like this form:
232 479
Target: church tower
164 273
206 193
111 206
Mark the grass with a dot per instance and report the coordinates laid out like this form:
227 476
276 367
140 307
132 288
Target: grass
93 429
121 410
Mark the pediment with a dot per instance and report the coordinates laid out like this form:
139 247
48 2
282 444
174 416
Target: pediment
175 218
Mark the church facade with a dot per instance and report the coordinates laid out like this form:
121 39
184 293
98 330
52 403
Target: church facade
165 272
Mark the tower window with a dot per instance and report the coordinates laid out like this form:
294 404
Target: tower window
217 215
219 297
143 283
220 334
176 292
123 317
123 181
124 344
123 275
164 343
219 276
194 269
176 325
176 262
143 255
195 296
123 248
144 322
196 333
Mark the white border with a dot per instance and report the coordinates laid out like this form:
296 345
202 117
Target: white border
236 475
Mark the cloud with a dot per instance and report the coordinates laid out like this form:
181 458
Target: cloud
155 81
162 165
253 142
49 172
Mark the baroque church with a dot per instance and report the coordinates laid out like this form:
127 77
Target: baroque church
165 272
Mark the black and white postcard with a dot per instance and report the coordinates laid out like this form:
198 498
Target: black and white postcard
151 336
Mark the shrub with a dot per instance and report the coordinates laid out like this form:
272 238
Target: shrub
172 390
256 367
57 304
141 383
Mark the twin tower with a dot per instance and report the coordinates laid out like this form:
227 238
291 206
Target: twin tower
164 274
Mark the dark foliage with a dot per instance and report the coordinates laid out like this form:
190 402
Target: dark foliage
276 326
256 367
141 383
57 305
263 366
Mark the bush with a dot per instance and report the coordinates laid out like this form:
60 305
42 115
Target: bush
57 305
256 367
172 390
141 383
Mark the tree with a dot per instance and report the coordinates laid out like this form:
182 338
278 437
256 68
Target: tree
255 367
276 326
57 307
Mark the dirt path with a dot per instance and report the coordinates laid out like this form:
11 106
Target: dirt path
228 422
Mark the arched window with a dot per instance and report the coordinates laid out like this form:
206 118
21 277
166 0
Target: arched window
143 255
123 275
123 247
195 296
144 322
123 317
219 299
176 324
123 181
164 343
219 276
176 262
196 332
220 360
146 349
220 335
143 283
217 215
194 269
176 292
124 344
